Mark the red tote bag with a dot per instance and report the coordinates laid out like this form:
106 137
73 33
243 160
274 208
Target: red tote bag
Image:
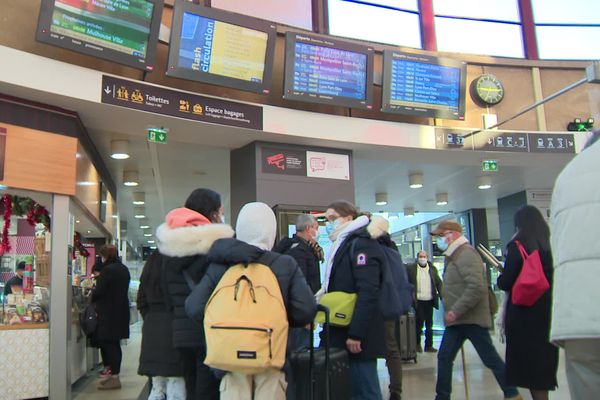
531 283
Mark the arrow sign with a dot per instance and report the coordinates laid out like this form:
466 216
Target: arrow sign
157 135
107 90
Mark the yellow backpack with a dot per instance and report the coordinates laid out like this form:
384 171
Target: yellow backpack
245 320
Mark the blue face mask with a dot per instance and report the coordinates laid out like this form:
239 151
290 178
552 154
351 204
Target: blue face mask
331 225
441 243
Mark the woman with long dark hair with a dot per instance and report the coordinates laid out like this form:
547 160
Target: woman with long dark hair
531 361
110 297
183 241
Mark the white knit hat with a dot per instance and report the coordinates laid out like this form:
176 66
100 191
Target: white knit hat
256 225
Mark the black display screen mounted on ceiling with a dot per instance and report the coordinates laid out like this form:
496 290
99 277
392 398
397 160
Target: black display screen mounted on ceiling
122 31
423 85
221 48
328 71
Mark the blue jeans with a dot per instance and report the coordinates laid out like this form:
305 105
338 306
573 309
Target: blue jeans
365 382
453 339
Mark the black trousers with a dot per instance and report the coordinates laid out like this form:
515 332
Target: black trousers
111 353
424 314
200 381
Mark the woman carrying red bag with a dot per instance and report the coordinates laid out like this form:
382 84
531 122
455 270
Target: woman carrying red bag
531 361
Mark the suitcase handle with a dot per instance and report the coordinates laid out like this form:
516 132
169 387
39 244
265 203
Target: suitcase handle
325 310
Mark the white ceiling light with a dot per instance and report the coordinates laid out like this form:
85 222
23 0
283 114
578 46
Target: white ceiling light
139 198
415 180
409 212
484 182
119 149
147 234
381 199
150 241
139 212
144 224
131 178
441 199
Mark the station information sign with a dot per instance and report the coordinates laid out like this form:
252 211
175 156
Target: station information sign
423 85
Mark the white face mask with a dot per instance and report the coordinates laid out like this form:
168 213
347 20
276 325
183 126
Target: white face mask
422 261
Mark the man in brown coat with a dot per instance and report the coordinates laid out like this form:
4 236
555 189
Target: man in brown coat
467 310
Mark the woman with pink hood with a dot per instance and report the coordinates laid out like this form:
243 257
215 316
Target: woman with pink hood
183 240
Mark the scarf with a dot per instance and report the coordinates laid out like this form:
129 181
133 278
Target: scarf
317 250
340 235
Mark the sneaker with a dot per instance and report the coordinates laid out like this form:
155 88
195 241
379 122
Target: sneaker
105 373
111 383
430 350
419 349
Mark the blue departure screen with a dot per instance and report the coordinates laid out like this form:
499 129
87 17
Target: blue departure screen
432 86
325 71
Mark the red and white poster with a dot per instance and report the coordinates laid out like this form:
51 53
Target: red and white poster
327 165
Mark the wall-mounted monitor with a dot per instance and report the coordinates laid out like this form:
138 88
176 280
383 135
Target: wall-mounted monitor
123 31
328 71
423 85
221 48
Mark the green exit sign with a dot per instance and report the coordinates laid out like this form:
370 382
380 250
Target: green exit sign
157 135
489 165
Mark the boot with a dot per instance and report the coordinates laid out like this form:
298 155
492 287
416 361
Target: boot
111 383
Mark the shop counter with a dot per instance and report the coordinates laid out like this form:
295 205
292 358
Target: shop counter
24 361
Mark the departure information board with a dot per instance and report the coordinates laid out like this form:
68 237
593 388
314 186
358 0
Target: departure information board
423 85
213 46
330 72
319 70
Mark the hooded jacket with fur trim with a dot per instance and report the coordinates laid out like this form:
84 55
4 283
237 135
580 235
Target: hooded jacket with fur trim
361 274
184 240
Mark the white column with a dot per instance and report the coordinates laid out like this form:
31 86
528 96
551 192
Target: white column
60 302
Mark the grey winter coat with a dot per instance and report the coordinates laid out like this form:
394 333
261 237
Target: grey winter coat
465 288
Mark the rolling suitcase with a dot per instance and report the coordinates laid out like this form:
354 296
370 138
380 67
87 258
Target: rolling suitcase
408 337
320 374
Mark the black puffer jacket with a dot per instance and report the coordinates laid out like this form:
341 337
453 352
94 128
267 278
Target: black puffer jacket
360 273
301 251
157 355
297 296
184 251
112 302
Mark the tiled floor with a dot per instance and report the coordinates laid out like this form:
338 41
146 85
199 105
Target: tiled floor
132 383
418 379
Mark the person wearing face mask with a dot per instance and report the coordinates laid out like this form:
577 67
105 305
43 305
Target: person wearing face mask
467 310
428 288
305 249
183 242
354 266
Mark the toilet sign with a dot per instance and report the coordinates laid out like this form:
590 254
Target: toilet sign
157 135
